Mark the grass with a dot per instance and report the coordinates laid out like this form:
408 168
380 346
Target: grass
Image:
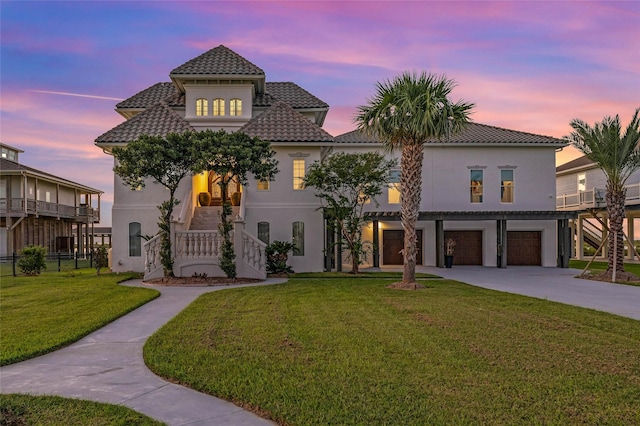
361 274
599 266
53 410
351 351
46 312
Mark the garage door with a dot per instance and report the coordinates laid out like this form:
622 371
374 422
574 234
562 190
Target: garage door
468 250
524 248
393 243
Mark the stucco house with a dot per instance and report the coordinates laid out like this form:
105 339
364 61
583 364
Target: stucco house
580 187
38 208
491 189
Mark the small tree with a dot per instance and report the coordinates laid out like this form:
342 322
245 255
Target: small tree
167 160
233 156
100 258
32 260
344 183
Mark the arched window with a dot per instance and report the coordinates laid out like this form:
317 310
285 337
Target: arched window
235 107
202 107
263 232
135 240
298 238
218 107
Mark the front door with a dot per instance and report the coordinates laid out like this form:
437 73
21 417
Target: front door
392 245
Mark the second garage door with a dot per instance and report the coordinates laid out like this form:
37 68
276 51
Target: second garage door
524 248
468 250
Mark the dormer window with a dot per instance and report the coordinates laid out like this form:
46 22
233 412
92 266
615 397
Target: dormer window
235 107
218 107
202 107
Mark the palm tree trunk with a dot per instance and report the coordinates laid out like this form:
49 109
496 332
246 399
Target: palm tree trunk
411 180
616 197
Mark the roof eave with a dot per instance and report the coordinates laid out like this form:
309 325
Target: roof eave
258 79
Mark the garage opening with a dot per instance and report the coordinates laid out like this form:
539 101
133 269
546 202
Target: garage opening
524 248
393 243
468 250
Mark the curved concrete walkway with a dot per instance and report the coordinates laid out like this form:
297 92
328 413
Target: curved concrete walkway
556 284
107 366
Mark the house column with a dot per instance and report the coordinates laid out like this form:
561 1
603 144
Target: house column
501 243
376 244
564 243
630 234
580 238
440 243
329 248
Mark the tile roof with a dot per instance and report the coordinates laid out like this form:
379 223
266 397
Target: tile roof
474 133
294 95
149 96
217 61
578 162
158 120
7 167
281 123
288 92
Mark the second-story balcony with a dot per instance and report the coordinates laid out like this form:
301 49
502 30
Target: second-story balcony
595 198
18 207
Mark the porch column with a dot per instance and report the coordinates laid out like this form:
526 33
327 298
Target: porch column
580 238
329 248
440 243
501 243
564 243
376 245
630 232
338 250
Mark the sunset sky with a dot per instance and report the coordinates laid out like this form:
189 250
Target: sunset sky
527 65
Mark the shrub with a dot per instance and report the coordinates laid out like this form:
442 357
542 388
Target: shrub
276 253
32 260
101 258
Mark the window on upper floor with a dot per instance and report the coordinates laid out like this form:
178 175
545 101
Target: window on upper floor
298 173
202 107
506 186
582 182
235 107
263 232
394 190
135 239
298 238
476 185
263 185
218 107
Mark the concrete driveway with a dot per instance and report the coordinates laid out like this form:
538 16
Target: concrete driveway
556 284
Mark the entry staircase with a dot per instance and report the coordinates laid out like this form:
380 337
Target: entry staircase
197 244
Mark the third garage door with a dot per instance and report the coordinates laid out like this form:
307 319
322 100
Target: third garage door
524 248
468 250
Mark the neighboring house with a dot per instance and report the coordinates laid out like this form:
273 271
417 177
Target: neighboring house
580 187
491 189
38 208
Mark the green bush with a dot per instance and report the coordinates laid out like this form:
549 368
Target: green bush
32 260
276 253
101 258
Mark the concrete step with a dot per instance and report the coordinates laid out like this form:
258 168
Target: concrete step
205 218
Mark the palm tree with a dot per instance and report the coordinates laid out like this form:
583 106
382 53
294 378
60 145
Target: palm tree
618 156
405 113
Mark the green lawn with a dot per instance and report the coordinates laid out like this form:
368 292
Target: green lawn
351 351
43 313
54 411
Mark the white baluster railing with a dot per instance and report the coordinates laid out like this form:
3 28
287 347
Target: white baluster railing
198 245
152 263
253 252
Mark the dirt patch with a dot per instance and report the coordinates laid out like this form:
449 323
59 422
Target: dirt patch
406 286
621 277
200 281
